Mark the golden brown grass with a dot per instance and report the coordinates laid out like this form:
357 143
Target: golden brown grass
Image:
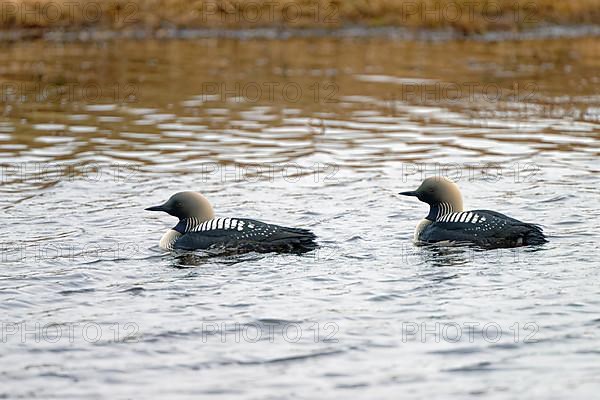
468 16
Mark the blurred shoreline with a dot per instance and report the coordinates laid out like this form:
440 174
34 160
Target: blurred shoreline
81 20
396 33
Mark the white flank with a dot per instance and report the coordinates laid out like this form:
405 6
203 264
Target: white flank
168 239
420 226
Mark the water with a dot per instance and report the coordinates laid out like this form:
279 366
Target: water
317 133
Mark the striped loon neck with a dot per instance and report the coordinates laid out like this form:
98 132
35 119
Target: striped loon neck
438 210
188 224
194 224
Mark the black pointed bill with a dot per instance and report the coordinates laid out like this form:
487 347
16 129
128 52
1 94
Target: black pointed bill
156 208
410 193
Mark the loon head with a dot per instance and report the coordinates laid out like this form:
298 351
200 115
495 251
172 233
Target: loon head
185 205
441 194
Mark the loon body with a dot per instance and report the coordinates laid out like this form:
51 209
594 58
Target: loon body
198 229
447 222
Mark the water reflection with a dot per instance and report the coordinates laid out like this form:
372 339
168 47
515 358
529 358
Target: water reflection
216 98
313 133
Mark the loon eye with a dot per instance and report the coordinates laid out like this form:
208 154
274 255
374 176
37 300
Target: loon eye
178 204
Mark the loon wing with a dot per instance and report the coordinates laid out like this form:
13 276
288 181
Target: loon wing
483 227
246 235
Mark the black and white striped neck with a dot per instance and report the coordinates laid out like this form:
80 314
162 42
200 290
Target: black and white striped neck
193 224
186 225
439 210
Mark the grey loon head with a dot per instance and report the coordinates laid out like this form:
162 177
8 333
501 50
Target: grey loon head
185 205
442 195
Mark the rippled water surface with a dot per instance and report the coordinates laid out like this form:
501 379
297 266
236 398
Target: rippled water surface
318 133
